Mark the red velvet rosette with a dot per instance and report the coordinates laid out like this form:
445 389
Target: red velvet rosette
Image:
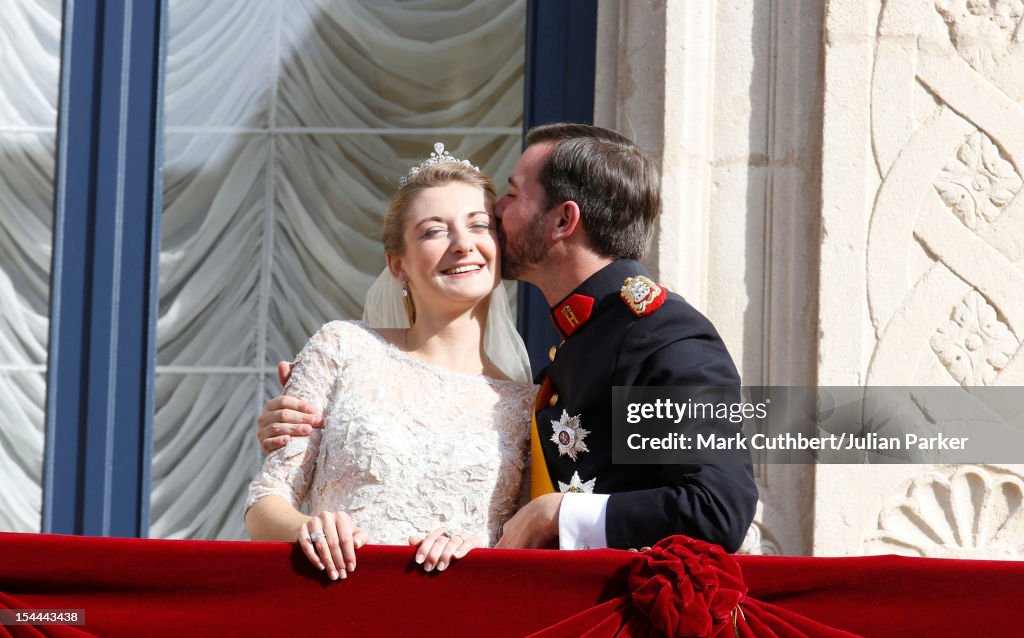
686 588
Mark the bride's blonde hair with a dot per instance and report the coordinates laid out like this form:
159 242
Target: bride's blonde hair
393 233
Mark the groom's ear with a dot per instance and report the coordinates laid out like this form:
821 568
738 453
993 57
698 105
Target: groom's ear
567 220
394 266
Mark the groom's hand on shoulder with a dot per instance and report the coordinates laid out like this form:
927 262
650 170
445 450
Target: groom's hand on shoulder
284 372
535 526
284 417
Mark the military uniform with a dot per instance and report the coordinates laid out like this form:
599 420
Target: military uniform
640 335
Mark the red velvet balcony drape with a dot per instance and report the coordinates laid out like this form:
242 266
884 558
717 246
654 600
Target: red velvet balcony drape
130 587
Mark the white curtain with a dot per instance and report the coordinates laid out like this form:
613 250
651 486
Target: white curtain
29 75
288 125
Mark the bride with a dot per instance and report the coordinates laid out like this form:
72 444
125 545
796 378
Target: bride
426 404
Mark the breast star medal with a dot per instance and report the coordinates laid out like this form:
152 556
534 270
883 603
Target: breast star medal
569 435
577 485
642 295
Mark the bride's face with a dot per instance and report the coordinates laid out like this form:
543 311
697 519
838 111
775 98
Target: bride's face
451 248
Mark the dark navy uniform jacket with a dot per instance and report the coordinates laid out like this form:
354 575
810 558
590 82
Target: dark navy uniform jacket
674 345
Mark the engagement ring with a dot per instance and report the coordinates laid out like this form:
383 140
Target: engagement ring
315 536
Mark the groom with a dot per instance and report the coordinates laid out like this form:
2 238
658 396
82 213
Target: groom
578 214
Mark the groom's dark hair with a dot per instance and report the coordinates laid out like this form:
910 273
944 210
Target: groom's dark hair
616 185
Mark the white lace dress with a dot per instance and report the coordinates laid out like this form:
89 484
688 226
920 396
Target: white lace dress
406 446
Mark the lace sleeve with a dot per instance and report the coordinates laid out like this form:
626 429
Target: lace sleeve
288 471
517 411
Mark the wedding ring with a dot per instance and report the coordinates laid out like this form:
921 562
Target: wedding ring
315 536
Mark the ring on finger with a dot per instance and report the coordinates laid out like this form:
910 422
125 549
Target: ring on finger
315 536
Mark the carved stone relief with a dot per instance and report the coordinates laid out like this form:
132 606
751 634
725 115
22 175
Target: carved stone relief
927 293
982 30
974 345
947 225
760 541
979 183
966 512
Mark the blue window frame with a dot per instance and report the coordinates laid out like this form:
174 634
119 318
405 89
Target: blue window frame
99 397
560 46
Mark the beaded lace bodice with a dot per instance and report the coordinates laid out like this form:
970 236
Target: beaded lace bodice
406 446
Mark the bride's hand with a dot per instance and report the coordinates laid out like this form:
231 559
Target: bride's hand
337 538
440 547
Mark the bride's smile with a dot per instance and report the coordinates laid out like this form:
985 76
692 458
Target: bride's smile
463 269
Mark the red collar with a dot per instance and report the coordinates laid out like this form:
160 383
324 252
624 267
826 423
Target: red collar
571 313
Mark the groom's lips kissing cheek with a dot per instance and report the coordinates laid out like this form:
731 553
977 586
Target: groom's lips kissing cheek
501 234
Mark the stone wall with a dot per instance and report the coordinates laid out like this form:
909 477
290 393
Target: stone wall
842 198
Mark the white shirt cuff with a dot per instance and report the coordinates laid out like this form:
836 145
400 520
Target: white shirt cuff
581 521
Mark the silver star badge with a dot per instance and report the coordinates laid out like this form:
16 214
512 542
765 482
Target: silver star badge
569 435
577 485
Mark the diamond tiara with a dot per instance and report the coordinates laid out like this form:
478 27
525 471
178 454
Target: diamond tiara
437 156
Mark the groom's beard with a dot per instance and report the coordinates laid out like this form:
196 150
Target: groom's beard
520 253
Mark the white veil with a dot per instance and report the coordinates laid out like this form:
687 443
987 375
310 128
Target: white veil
384 309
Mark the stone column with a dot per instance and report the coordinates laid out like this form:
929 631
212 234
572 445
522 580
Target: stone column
642 69
727 96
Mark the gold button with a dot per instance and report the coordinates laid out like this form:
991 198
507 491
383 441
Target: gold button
551 352
553 401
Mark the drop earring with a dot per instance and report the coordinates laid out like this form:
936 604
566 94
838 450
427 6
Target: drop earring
410 306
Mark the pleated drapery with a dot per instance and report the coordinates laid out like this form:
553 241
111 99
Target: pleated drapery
29 77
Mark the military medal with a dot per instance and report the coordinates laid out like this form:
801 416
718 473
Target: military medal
642 295
577 485
569 435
